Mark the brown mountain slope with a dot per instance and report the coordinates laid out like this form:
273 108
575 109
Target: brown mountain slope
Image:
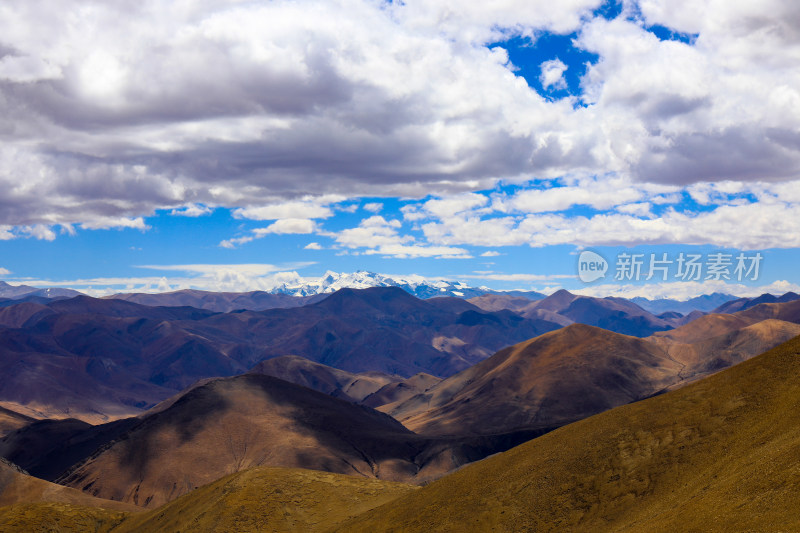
498 302
269 500
12 420
91 358
548 381
339 383
715 324
47 448
58 517
717 455
578 371
228 425
16 486
705 327
615 314
713 354
402 390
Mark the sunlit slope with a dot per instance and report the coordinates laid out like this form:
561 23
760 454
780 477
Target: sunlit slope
53 517
17 487
722 454
269 499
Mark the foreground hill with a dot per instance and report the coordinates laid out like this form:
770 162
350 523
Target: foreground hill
717 455
228 425
31 504
270 499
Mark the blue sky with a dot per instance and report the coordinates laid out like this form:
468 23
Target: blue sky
240 145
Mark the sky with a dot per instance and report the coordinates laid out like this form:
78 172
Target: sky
235 145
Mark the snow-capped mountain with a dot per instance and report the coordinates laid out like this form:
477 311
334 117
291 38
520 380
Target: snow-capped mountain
15 292
417 285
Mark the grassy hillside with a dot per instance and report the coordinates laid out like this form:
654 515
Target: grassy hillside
53 517
718 455
269 499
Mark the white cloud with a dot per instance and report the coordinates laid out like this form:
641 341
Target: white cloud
377 236
373 207
192 210
39 231
753 216
284 226
4 271
250 269
518 277
312 246
288 225
101 222
315 103
490 253
307 208
553 74
686 290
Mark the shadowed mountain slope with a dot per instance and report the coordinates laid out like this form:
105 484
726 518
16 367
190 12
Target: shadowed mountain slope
741 304
223 302
47 448
323 378
11 420
394 393
232 424
717 455
614 314
16 486
98 359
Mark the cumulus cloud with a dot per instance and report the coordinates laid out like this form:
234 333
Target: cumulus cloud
280 227
552 75
108 112
192 210
376 235
312 246
308 207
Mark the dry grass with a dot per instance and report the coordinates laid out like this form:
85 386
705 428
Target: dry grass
269 499
722 454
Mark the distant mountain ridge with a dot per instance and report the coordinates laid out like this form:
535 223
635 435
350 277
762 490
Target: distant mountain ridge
302 291
706 303
17 292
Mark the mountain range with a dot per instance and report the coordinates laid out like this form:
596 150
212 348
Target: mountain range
717 454
167 407
122 357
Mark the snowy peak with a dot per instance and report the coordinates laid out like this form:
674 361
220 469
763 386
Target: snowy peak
416 285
